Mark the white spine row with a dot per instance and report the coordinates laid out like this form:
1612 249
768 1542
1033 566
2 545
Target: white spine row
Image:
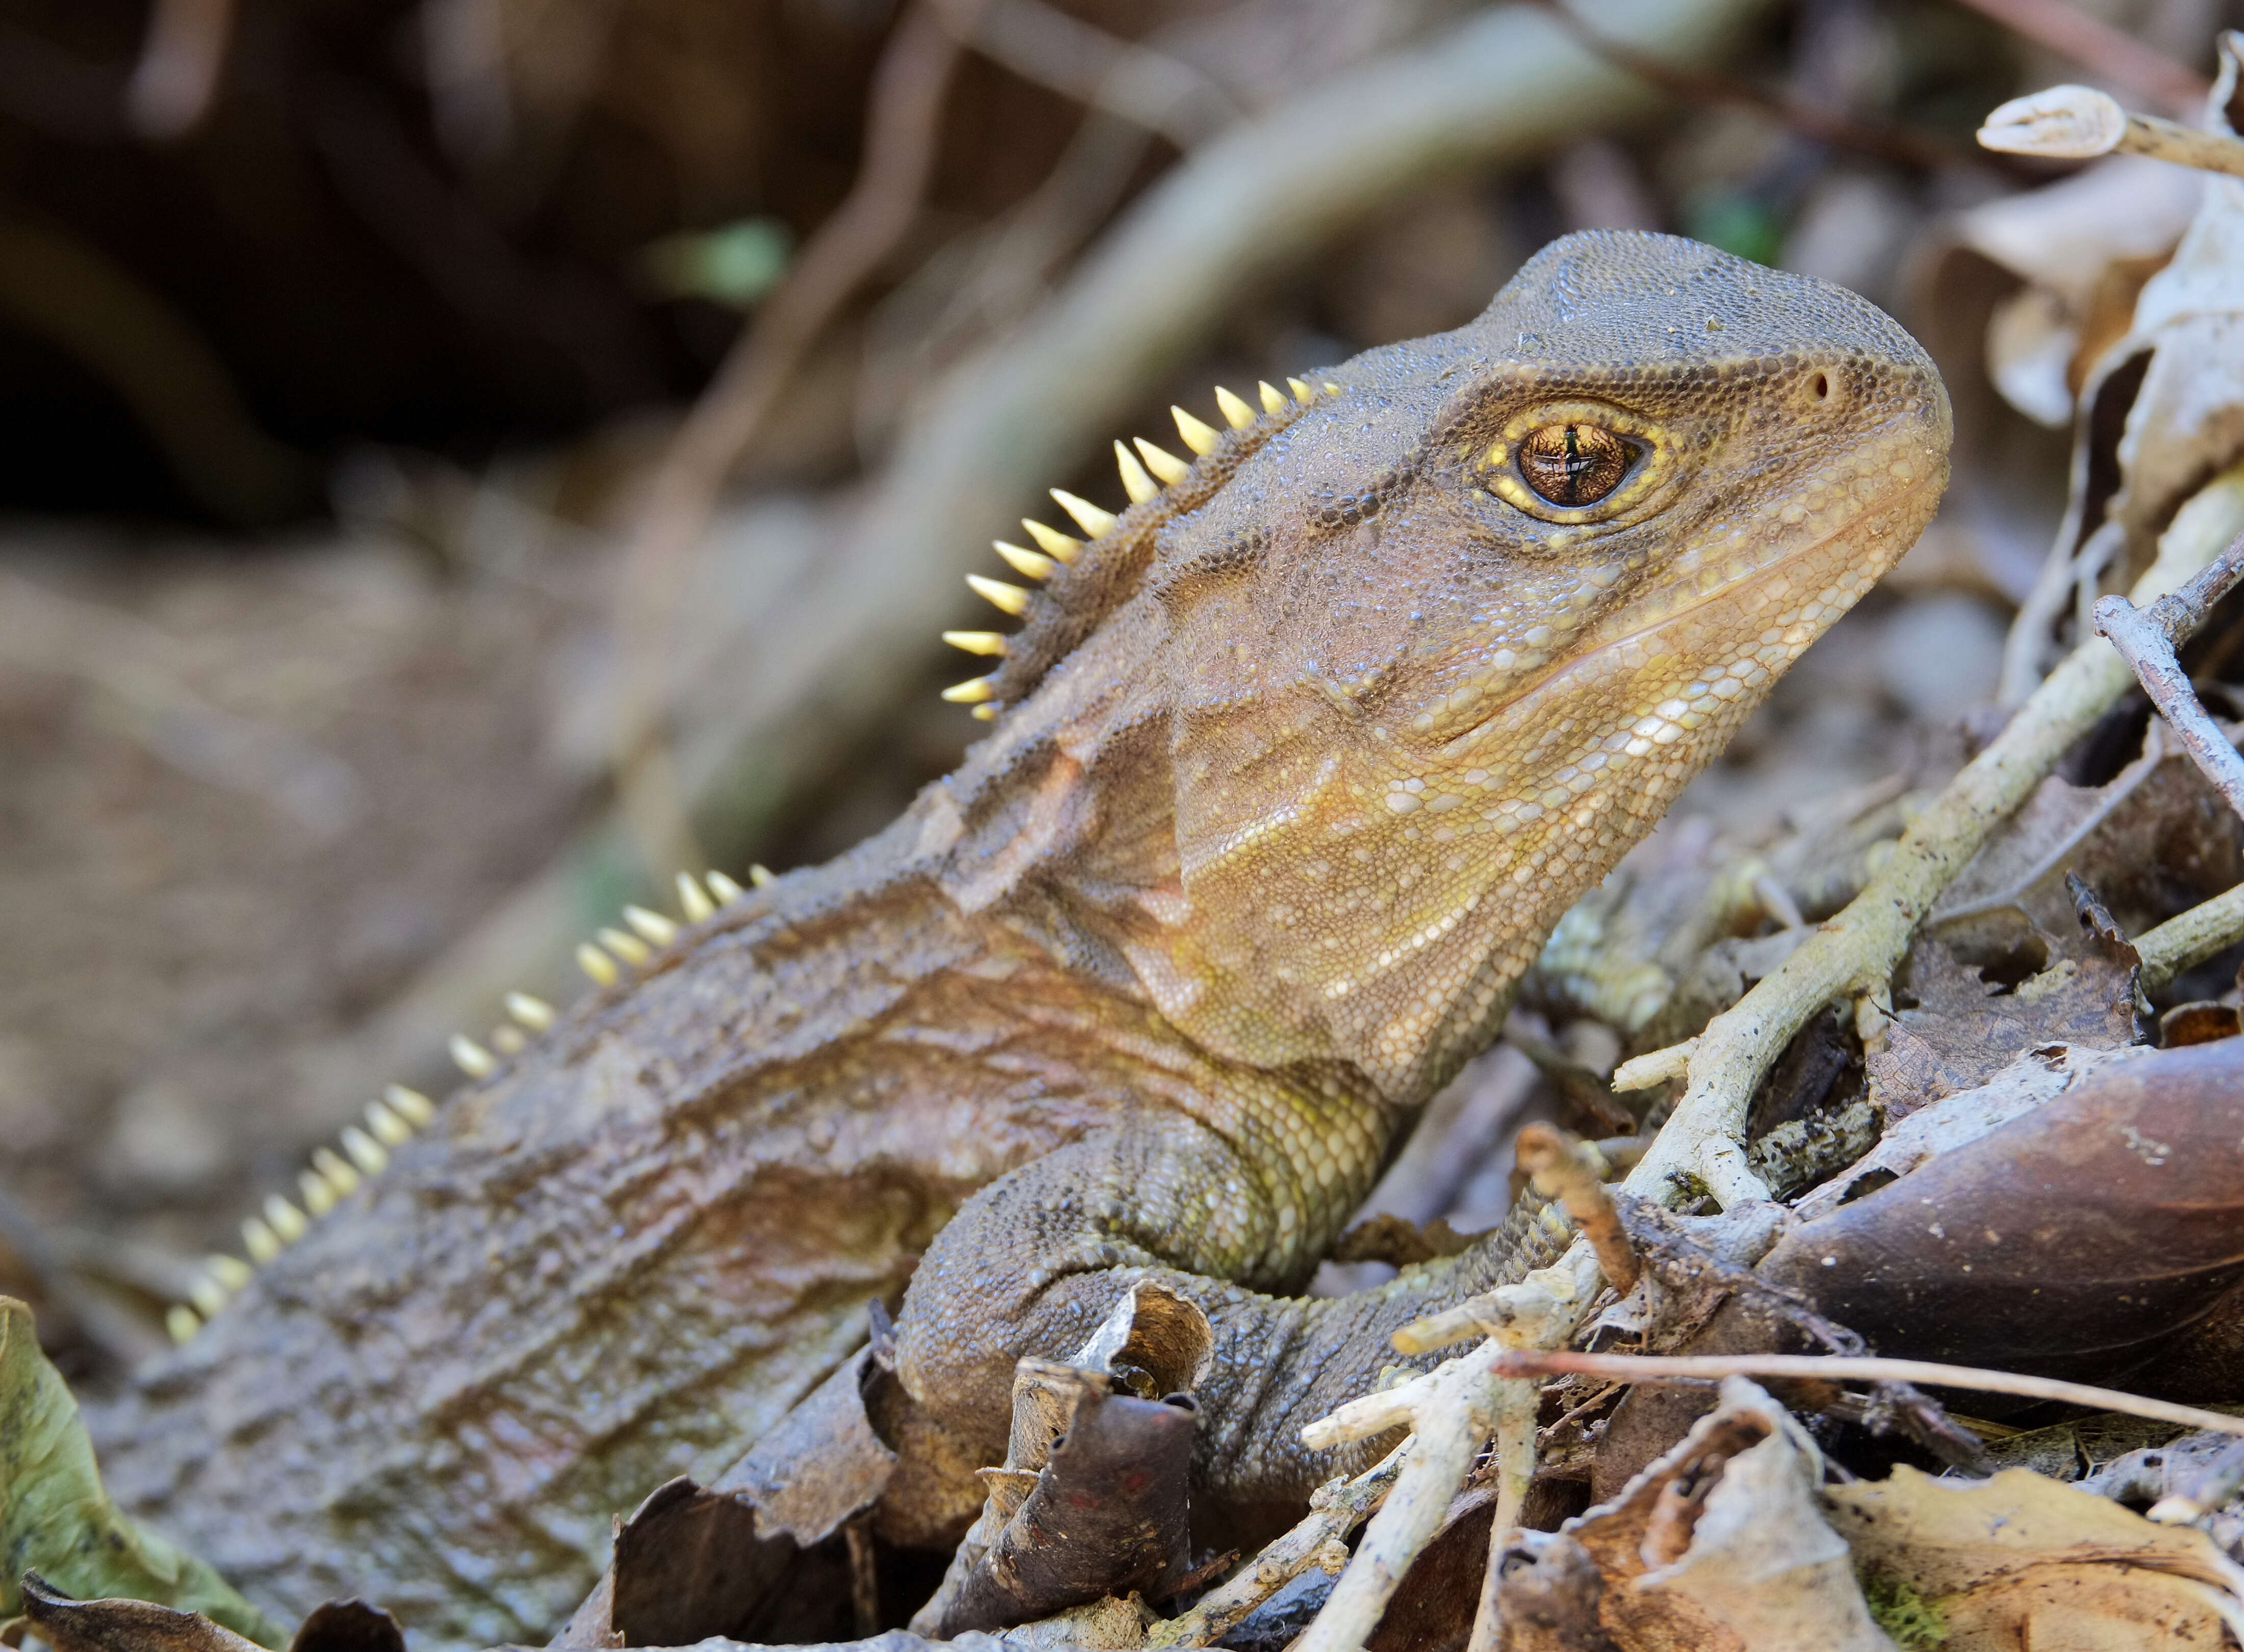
363 1150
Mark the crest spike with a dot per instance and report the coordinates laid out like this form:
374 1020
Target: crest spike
985 713
763 876
388 1127
365 1152
319 1196
285 1219
1236 413
410 1105
723 887
1273 399
1088 516
341 1180
1058 546
1136 480
259 1240
693 900
1198 435
1009 599
1028 564
533 1013
989 643
653 926
597 964
472 1058
973 691
1304 392
181 1322
1163 463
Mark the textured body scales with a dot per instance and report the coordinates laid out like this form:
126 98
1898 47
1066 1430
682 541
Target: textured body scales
1294 764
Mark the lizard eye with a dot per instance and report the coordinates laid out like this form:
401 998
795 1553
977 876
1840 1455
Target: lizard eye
1571 465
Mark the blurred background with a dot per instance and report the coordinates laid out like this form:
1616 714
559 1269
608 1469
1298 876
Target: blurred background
462 460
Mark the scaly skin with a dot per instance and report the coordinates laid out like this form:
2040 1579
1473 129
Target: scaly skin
1299 764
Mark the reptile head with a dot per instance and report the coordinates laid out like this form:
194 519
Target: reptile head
1443 647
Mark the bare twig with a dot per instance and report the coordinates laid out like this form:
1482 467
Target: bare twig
2186 942
1456 1411
1655 1067
906 108
1537 1363
2079 123
1563 1172
1337 1509
2096 44
1517 1404
2146 639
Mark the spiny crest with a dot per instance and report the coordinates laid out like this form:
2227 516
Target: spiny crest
391 1121
1071 591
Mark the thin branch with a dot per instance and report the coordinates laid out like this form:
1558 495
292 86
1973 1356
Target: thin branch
908 92
1700 86
2096 44
2146 639
1537 1363
1337 1509
2203 931
1517 1406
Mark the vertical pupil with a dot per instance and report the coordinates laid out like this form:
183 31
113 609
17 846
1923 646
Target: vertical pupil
1573 464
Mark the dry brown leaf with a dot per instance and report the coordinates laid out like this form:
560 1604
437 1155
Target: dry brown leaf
2081 1238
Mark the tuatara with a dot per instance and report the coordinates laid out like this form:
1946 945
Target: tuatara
1295 766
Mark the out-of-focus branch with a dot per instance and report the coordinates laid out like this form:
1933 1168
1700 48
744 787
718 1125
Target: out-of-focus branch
181 62
2095 45
56 286
1148 88
906 108
1694 84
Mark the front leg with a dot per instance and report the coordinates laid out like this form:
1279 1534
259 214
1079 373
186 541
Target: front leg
1032 1264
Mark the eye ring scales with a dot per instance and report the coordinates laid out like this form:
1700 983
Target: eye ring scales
1573 464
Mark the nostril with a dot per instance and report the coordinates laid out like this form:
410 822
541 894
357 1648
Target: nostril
1819 388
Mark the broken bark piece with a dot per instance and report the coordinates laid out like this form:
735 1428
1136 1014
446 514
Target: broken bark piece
1107 1515
1091 1499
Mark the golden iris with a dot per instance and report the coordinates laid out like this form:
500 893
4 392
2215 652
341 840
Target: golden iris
1571 465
